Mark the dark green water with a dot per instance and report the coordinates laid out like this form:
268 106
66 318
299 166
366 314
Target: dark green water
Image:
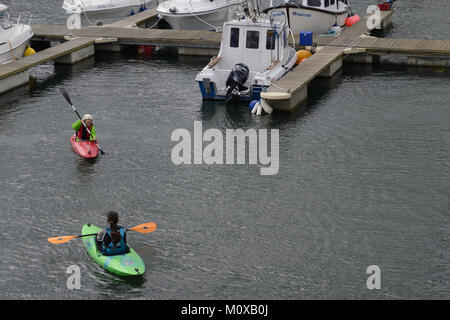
363 180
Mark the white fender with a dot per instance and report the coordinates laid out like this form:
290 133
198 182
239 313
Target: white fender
259 111
255 108
266 106
275 95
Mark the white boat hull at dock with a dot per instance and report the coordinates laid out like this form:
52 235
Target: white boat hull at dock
94 13
318 16
254 44
199 15
14 37
16 53
309 20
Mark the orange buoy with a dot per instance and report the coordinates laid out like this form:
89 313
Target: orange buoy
349 21
302 55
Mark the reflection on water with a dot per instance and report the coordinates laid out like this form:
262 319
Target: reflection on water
110 286
147 250
85 167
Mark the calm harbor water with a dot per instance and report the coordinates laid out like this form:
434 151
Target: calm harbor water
363 180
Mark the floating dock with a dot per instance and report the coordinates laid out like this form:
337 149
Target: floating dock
78 48
325 62
368 49
353 45
193 39
16 73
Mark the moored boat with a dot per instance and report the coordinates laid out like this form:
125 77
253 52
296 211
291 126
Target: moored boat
318 16
14 36
100 12
254 53
198 14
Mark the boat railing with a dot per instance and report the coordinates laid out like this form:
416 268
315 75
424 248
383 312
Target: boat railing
23 16
292 35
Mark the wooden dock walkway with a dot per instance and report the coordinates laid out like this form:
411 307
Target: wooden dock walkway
325 62
44 56
404 46
353 42
362 47
208 39
349 35
134 36
125 33
16 73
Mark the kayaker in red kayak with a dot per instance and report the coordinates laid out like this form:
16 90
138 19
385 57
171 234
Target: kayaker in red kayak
82 133
113 240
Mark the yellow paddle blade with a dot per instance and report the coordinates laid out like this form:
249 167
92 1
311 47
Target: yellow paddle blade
145 227
57 240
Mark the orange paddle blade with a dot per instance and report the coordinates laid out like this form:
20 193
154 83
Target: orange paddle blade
57 240
145 227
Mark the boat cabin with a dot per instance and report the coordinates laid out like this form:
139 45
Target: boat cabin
258 45
5 23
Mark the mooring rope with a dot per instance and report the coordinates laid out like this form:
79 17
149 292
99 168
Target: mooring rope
12 51
217 29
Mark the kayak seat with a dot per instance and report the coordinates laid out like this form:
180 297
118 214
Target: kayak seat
99 249
127 251
77 139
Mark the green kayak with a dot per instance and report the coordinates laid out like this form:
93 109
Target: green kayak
129 264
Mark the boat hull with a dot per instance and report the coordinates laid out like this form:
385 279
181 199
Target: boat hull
102 17
18 41
85 149
105 13
303 19
16 53
209 20
211 93
129 264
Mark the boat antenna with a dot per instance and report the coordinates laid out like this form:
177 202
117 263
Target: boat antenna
253 8
258 8
246 9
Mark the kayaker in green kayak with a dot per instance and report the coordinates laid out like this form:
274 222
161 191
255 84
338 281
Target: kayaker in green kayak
81 132
113 240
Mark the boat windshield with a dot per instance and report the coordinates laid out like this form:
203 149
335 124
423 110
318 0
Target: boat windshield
276 3
4 21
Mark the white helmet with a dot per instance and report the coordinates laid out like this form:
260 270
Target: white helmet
87 117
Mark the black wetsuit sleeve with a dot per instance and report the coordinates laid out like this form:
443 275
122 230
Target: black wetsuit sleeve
106 240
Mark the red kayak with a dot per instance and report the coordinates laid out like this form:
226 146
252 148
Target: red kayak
84 148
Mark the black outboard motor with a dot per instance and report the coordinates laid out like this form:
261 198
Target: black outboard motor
235 81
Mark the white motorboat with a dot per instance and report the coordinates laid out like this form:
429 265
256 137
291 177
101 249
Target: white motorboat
14 37
254 53
100 12
198 14
318 16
